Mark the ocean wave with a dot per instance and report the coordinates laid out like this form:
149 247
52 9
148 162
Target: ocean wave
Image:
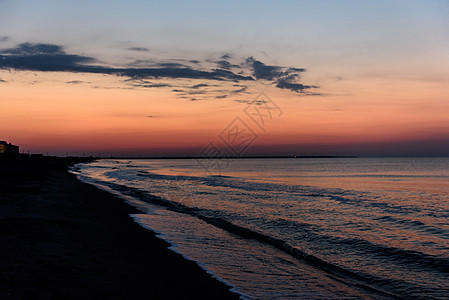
414 225
369 282
379 268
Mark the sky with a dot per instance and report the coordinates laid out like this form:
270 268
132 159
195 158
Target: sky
236 78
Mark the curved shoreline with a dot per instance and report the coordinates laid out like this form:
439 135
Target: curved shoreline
65 238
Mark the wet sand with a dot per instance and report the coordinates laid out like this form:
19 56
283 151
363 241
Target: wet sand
64 239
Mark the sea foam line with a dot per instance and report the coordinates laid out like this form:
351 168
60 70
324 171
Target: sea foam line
144 208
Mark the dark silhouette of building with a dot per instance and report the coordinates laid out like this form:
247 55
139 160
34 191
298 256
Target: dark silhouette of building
8 149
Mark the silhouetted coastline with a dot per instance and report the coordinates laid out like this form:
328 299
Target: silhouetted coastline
62 238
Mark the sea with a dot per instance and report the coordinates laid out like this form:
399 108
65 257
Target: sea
297 228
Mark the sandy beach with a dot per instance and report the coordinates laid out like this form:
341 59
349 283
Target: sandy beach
64 239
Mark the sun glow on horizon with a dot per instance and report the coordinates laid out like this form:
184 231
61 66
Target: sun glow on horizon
349 86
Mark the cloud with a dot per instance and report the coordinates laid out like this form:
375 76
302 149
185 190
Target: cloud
197 86
147 84
296 87
1 80
263 71
238 91
77 82
53 58
172 65
29 49
44 57
4 38
282 77
140 49
224 64
153 85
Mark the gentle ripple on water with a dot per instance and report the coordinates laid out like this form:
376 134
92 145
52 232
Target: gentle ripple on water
310 228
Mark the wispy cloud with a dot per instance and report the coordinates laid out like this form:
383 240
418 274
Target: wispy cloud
197 86
53 58
222 72
140 49
77 82
4 38
147 84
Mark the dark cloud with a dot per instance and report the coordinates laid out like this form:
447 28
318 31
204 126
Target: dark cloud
232 76
1 80
44 57
256 102
32 49
282 77
204 91
53 58
140 49
263 71
77 82
238 91
172 65
147 84
296 87
152 85
197 86
224 64
4 38
179 73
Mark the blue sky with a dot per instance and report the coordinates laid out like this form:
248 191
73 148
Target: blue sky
284 30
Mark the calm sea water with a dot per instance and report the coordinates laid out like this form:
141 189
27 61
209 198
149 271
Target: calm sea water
299 228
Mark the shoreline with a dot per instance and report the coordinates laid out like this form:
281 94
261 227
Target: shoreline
63 238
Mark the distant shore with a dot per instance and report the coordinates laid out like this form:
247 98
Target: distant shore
228 157
64 239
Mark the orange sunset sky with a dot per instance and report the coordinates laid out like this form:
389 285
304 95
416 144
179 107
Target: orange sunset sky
142 78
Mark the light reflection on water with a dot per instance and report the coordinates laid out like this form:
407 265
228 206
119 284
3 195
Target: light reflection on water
380 222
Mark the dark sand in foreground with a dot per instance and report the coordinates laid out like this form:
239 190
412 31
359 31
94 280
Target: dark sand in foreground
64 239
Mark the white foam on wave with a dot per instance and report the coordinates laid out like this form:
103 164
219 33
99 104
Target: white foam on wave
175 248
151 209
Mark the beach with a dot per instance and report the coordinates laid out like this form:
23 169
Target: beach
65 239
